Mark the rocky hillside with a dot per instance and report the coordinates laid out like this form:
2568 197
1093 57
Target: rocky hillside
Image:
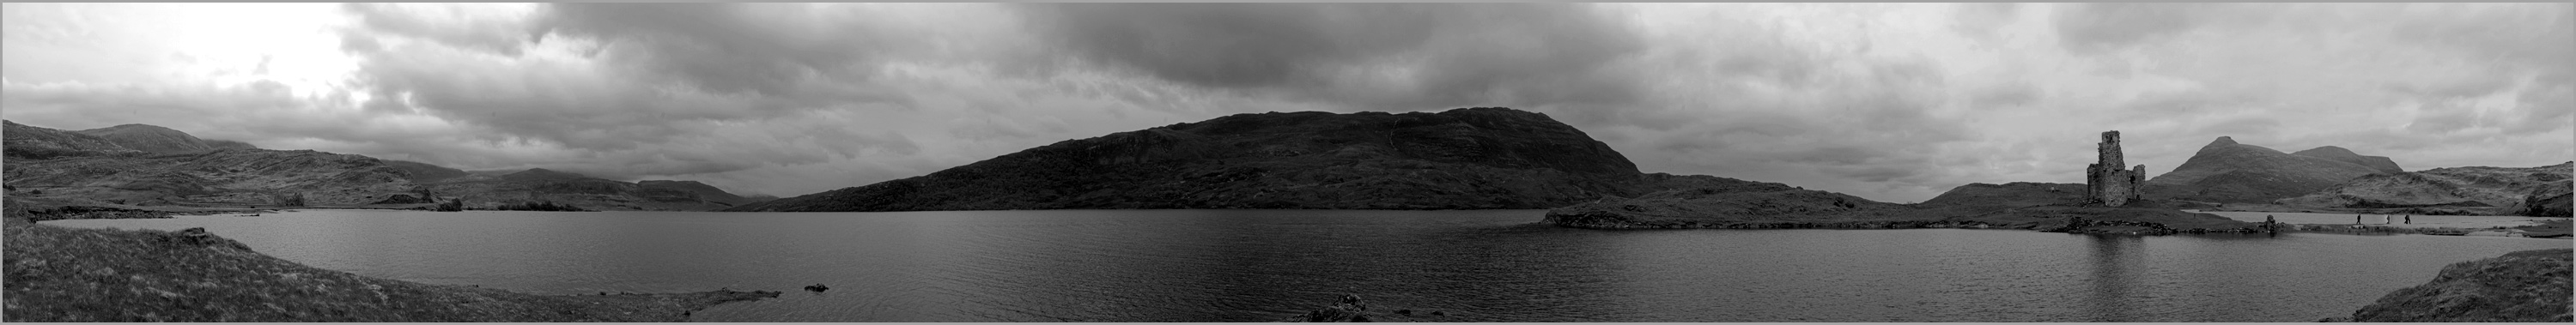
2507 190
1470 158
33 143
96 167
239 176
2229 172
2381 164
2526 286
151 139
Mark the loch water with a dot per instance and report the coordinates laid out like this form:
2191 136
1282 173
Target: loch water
1261 265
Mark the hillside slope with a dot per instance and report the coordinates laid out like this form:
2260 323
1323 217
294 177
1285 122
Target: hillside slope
2507 189
96 167
35 143
1469 158
2378 163
151 139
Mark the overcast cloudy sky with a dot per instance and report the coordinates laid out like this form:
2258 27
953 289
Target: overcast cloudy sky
1894 102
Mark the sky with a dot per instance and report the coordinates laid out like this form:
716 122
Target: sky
1891 102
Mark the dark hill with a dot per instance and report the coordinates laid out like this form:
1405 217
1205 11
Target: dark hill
2382 164
89 169
692 189
1980 198
230 144
1470 158
148 138
2225 171
37 143
423 172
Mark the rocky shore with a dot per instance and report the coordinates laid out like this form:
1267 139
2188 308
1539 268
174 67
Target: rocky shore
2027 206
59 274
2525 286
1350 309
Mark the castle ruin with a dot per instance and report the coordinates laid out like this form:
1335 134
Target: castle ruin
2105 183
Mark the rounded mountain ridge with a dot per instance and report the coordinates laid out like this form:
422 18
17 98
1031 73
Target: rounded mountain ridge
1465 158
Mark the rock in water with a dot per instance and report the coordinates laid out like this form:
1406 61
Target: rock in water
818 287
1349 310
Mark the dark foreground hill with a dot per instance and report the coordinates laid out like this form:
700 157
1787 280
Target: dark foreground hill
2229 172
1469 158
2478 190
58 274
97 167
2526 286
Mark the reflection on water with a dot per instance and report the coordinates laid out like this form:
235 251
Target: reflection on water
2116 267
1206 265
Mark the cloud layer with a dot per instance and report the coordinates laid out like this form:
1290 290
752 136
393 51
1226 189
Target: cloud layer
1894 102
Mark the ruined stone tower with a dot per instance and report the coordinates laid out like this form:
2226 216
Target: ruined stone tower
2105 183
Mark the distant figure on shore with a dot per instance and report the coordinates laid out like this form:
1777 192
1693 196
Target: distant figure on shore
2356 219
2410 219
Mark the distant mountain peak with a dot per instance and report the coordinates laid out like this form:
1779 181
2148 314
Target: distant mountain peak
2227 171
2222 141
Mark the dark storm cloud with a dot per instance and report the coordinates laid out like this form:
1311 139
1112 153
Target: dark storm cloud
768 49
1437 54
643 89
2092 27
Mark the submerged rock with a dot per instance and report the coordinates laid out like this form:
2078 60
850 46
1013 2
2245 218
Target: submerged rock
1349 310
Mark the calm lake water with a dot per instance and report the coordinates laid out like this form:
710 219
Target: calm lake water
1260 265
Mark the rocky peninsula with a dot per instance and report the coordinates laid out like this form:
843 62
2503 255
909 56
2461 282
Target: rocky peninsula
58 274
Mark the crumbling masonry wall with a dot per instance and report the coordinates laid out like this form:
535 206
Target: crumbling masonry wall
2105 183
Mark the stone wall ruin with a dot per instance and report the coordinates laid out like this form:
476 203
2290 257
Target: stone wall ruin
2105 183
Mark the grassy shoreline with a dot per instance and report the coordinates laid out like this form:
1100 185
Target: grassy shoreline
63 274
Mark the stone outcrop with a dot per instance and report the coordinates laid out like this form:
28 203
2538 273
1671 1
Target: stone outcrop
2524 286
2105 183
